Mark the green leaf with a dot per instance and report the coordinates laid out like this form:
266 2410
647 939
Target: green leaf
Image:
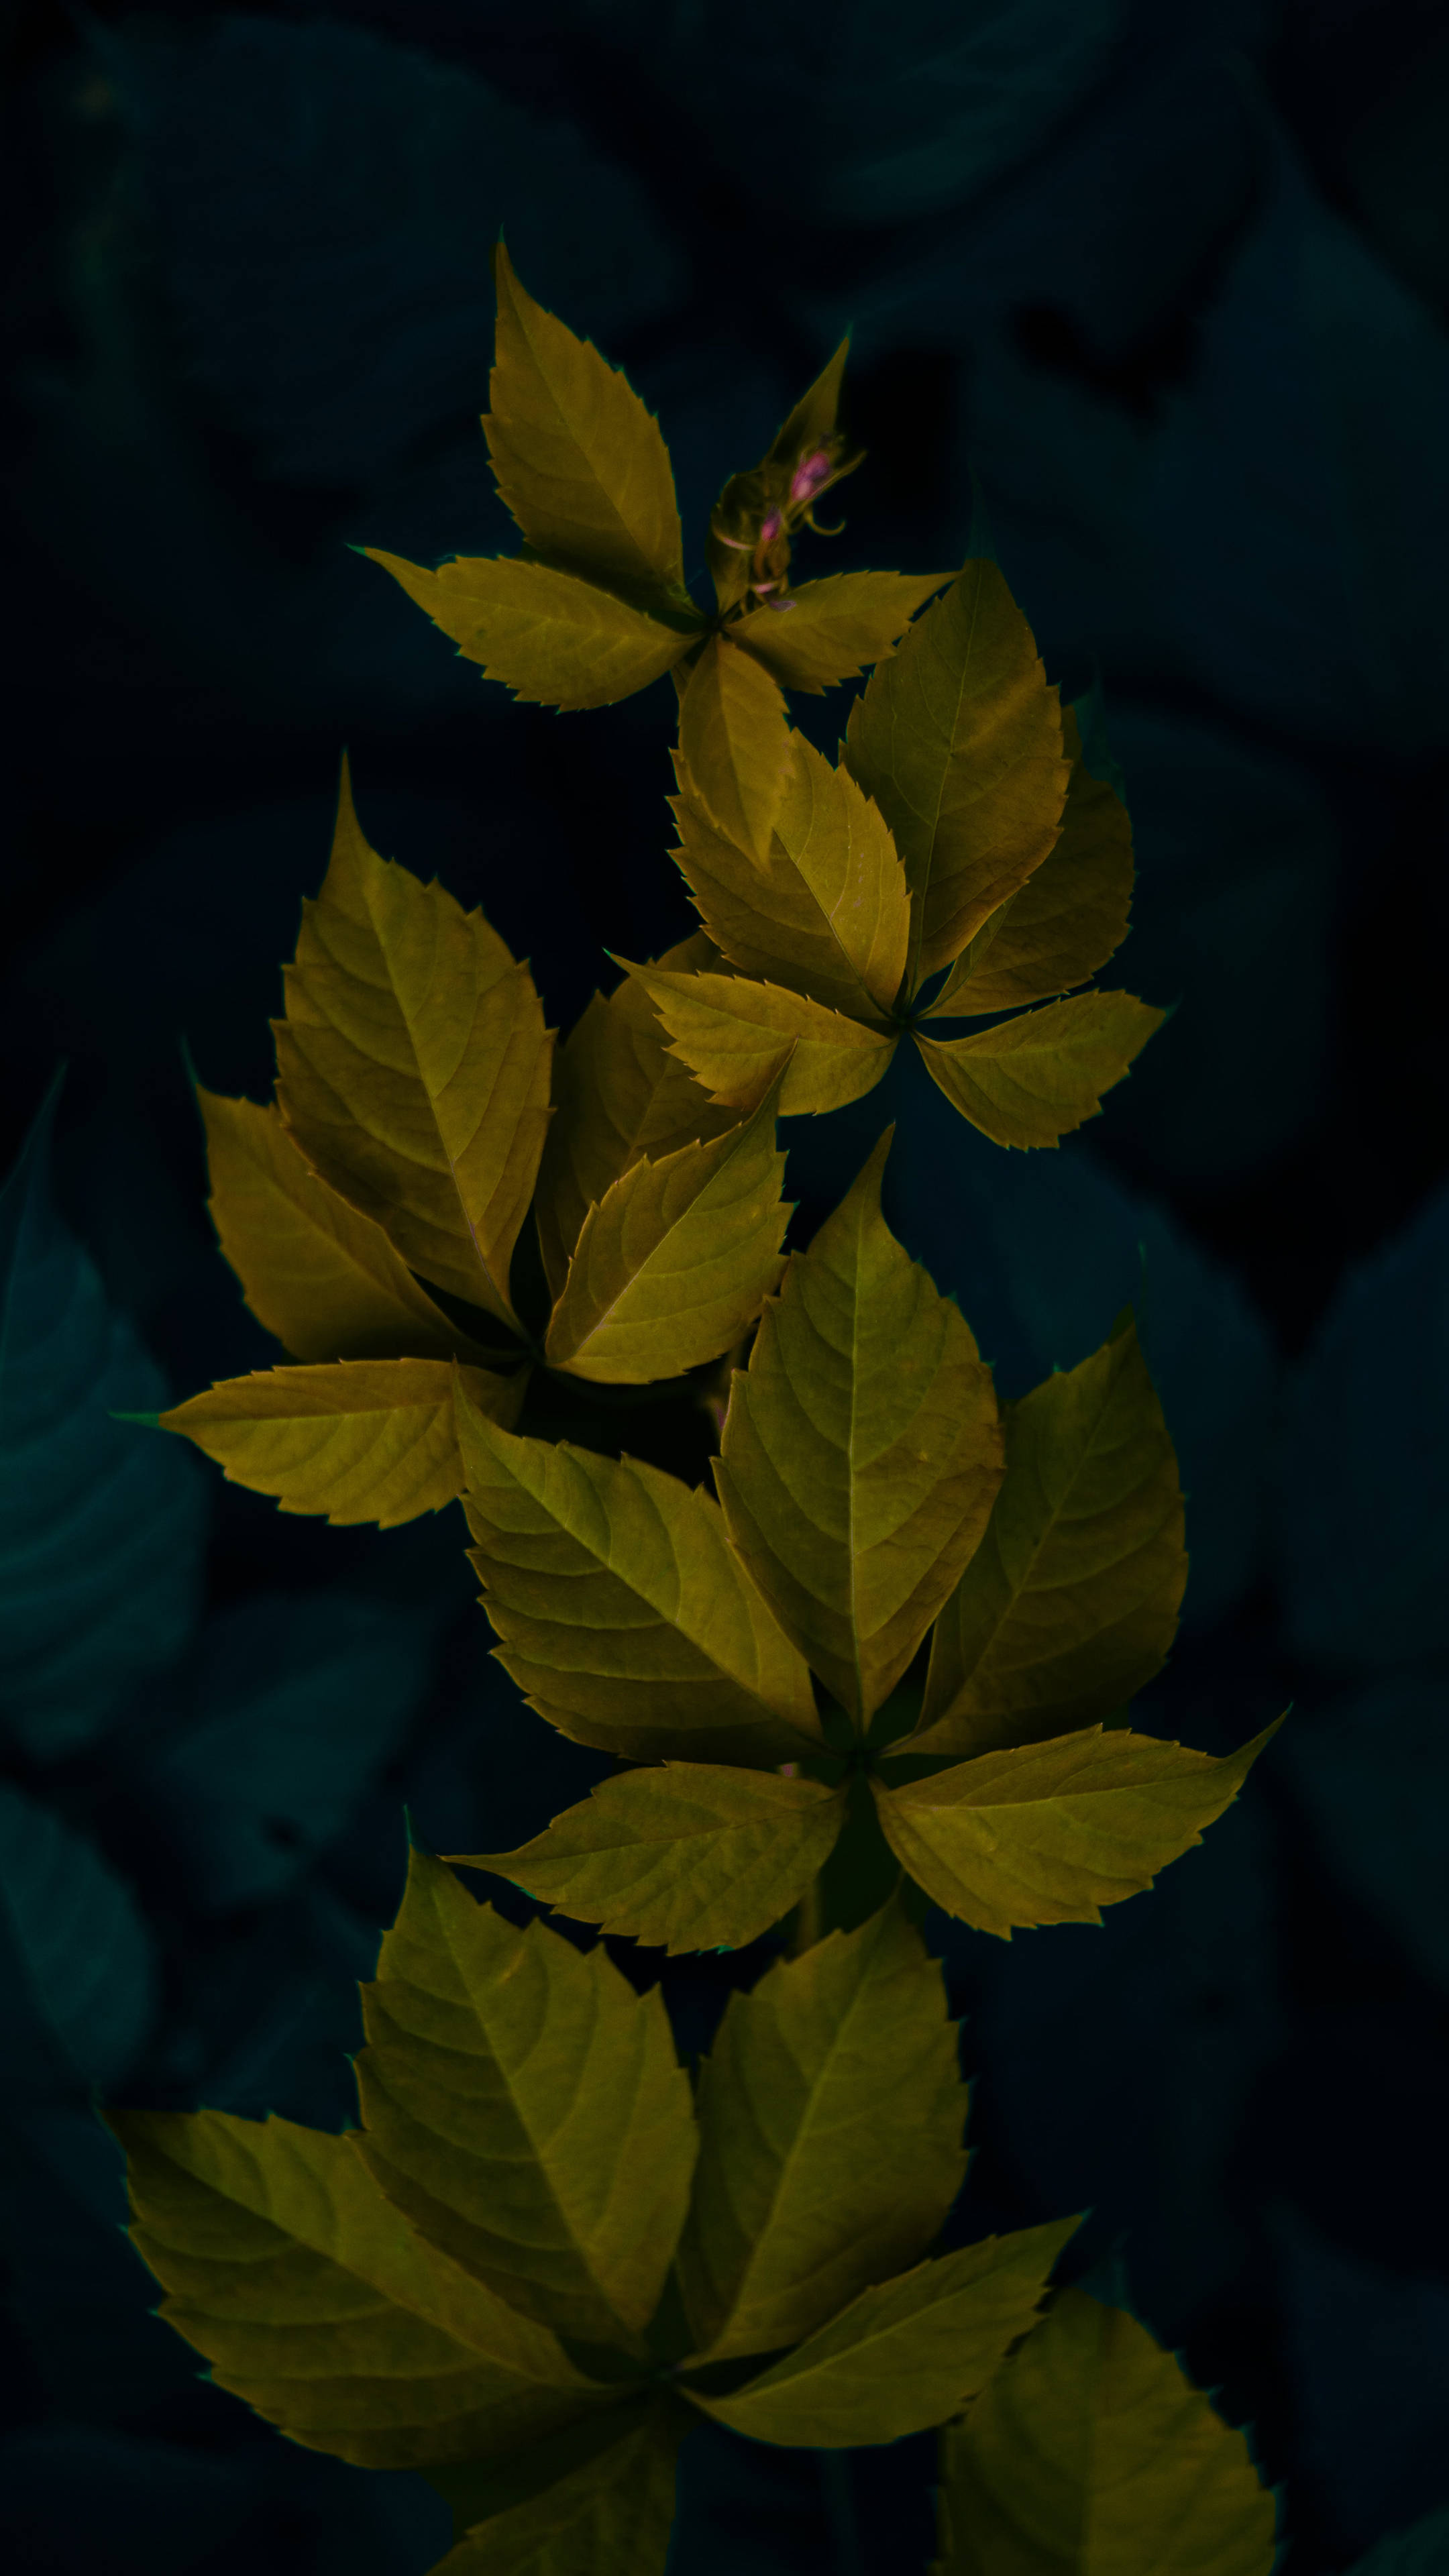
75 1941
1090 2453
361 1440
1031 1080
673 1264
578 459
735 743
553 639
861 1451
831 630
736 1035
1069 916
1070 1604
1048 1833
314 2301
690 1856
959 740
902 2356
825 909
611 2517
623 1613
830 2111
315 1272
413 1067
524 2107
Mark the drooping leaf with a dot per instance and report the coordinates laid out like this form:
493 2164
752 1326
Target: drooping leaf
833 629
315 1271
624 1614
1048 1833
902 2356
413 1067
554 639
611 2517
1031 1080
673 1264
1067 919
314 2301
830 2110
736 1035
1070 1604
861 1451
735 743
1090 2453
73 1936
690 1855
959 740
361 1440
525 2108
579 460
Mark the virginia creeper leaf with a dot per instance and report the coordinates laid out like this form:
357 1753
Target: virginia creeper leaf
525 2108
578 458
959 740
1070 1603
735 742
316 1272
811 422
690 1855
1048 1833
673 1264
1069 916
314 2301
737 517
611 2517
831 630
902 2356
361 1440
830 2110
413 1067
1090 2453
1031 1080
861 1451
735 1035
623 1612
554 639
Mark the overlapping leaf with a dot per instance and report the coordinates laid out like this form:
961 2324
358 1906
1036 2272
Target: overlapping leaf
735 742
831 630
1032 1080
612 2516
553 639
735 1035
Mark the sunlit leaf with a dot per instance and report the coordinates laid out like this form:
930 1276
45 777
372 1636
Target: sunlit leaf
690 1855
1070 1603
1090 2453
553 638
361 1440
735 742
413 1067
735 1035
839 2070
525 2108
610 2517
861 1451
959 740
1048 1833
833 629
1031 1080
624 1614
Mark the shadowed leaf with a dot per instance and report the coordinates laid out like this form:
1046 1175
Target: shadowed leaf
611 2517
552 638
75 1940
735 743
1030 1081
833 629
736 1035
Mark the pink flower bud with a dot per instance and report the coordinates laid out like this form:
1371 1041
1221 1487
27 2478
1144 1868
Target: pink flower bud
770 527
810 473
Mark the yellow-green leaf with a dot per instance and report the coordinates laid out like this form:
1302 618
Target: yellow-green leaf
620 1096
959 739
690 1855
1067 919
610 2517
524 2107
673 1264
736 1035
812 422
361 1440
413 1067
833 629
830 2110
553 638
1090 2453
861 1451
314 1271
1070 1603
735 742
578 459
902 2356
1048 1833
825 910
623 1612
1031 1080
314 2300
